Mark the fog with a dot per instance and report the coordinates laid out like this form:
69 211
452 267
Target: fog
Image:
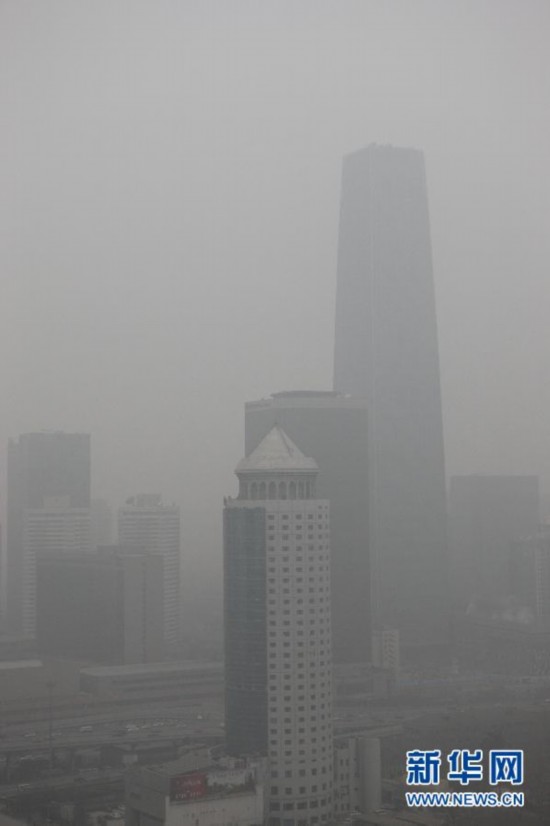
169 208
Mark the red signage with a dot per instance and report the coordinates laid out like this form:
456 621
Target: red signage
188 786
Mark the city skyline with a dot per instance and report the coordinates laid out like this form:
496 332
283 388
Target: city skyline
135 267
211 205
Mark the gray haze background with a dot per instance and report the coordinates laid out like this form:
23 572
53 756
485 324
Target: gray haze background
169 197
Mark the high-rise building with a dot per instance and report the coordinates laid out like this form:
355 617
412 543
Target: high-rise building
386 350
102 523
278 628
530 577
145 521
333 428
48 504
487 515
105 606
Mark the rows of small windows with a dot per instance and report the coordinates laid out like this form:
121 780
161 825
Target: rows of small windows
290 774
318 555
286 790
277 490
288 806
298 518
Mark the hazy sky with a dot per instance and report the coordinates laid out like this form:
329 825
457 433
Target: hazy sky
169 196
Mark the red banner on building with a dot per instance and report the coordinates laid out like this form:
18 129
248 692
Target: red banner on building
188 786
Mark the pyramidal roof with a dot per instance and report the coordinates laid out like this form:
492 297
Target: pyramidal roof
276 452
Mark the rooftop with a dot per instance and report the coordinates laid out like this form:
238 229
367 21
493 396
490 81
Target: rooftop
276 452
188 666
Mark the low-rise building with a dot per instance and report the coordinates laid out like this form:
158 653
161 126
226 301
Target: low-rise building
195 791
357 775
188 680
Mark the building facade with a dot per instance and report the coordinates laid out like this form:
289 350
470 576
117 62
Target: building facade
357 776
487 516
530 577
386 350
193 791
278 629
332 427
48 504
102 523
145 521
105 606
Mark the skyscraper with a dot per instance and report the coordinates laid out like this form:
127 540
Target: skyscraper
386 350
144 521
48 504
487 516
277 628
105 606
332 428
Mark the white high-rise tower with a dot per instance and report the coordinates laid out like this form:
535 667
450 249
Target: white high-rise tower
278 628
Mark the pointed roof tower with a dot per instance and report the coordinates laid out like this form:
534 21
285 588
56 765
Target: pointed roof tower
276 453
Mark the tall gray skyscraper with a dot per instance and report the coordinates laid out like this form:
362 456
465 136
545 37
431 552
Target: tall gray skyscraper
332 428
48 508
386 350
277 628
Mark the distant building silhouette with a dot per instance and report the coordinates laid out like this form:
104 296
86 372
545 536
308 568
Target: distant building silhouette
386 351
277 627
102 523
48 505
530 577
145 521
332 428
487 516
105 606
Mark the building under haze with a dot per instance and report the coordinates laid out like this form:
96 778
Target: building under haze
333 428
530 577
48 507
487 516
146 522
278 628
105 606
102 523
386 350
196 790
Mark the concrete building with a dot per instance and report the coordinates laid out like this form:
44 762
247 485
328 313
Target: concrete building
154 682
278 628
144 521
102 523
530 577
386 649
48 503
332 428
194 791
357 776
487 515
386 350
104 606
